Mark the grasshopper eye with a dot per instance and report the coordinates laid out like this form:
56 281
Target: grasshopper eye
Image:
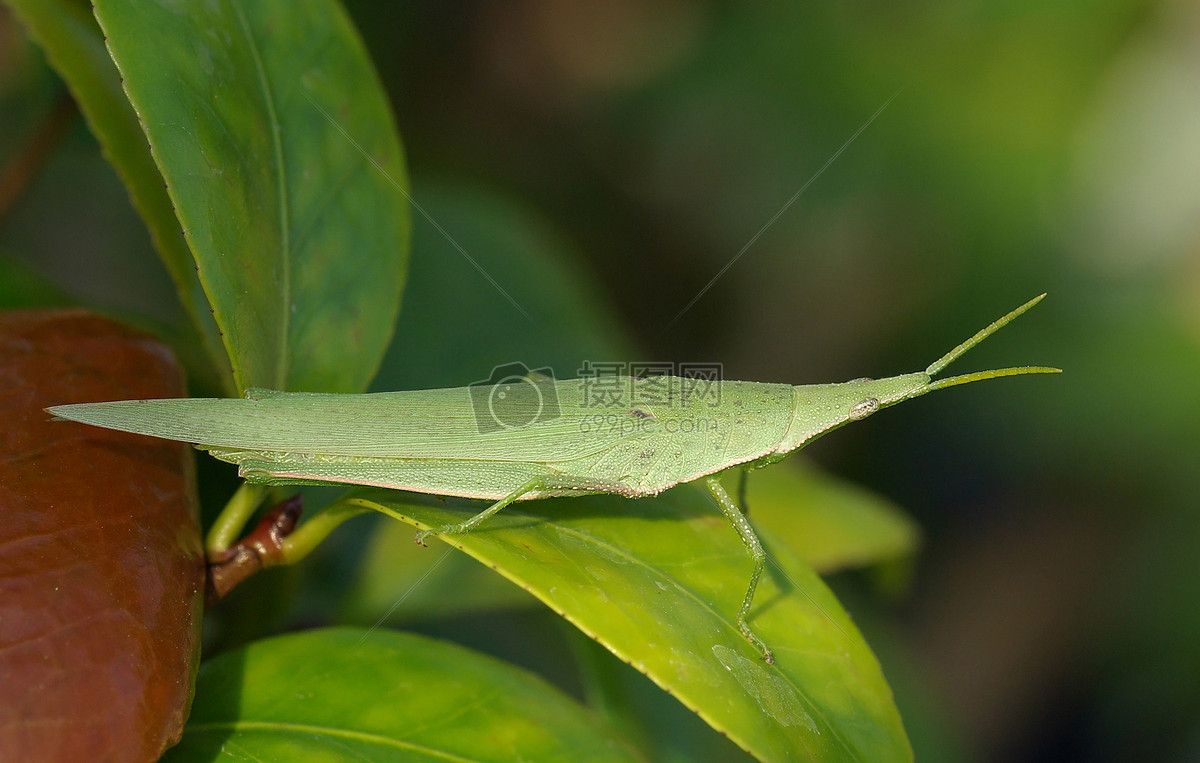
864 409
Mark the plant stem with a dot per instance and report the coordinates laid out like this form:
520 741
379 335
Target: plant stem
233 518
315 529
261 548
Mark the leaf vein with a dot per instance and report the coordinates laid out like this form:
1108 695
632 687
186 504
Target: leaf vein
213 727
284 358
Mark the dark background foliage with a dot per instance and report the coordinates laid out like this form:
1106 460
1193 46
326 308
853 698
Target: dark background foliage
1027 147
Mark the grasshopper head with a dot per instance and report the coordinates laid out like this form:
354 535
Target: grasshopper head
821 408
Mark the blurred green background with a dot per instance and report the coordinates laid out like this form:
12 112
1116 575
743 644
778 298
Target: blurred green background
636 147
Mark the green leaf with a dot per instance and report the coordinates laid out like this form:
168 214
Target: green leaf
830 523
346 693
658 581
75 47
405 583
255 113
645 714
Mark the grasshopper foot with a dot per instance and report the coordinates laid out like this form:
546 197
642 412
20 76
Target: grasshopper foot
756 641
421 536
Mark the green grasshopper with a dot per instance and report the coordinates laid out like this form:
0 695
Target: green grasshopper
537 438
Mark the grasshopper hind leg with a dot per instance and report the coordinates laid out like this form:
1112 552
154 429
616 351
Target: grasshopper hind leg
532 485
752 544
461 528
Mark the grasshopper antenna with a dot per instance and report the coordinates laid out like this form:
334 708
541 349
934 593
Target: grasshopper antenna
938 365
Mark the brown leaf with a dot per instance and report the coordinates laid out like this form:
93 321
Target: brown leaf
101 563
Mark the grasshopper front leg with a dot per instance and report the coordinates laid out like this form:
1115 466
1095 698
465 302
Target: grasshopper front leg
750 540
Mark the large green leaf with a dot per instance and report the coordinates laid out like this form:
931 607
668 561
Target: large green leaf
346 693
256 113
658 581
829 523
75 47
644 713
403 583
